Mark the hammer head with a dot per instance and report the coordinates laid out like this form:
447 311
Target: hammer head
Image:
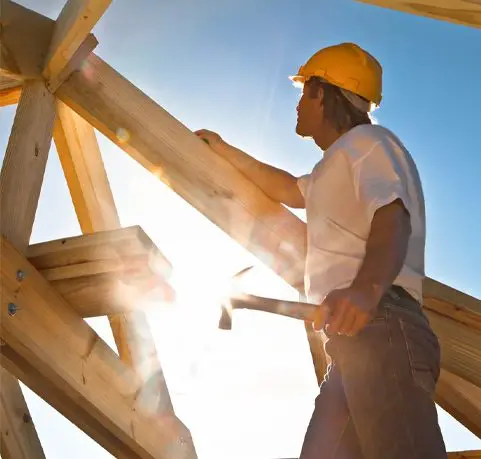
225 321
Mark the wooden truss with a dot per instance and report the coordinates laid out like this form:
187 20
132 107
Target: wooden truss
64 91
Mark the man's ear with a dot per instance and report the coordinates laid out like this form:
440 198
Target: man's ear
320 94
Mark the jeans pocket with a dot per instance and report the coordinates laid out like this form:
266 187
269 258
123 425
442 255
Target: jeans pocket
424 352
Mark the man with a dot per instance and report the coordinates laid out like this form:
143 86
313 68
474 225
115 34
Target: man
365 262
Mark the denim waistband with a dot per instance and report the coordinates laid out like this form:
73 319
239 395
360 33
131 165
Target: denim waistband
398 298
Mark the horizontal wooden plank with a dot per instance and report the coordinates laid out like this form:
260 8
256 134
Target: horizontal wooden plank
105 272
130 242
455 11
10 96
8 83
45 334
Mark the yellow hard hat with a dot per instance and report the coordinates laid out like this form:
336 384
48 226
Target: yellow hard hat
348 66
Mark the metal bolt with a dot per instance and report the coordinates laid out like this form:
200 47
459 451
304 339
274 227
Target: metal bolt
12 309
20 275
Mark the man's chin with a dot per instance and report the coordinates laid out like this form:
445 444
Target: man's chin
300 132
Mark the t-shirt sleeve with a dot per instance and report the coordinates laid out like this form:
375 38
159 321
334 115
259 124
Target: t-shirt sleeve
302 182
380 177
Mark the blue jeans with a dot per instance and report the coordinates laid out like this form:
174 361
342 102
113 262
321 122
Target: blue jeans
376 400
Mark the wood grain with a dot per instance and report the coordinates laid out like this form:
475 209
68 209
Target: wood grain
107 272
20 184
24 163
72 27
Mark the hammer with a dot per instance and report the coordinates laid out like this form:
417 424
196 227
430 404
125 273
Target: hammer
294 309
297 310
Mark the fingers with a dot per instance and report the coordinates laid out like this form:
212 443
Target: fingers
337 316
362 319
350 318
320 318
209 137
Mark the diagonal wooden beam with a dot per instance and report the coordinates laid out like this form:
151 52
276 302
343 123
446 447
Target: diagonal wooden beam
456 11
19 439
20 183
84 171
96 211
165 147
49 346
72 27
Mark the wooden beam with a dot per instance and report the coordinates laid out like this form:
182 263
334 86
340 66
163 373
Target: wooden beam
460 345
452 303
8 83
84 171
456 11
105 272
20 183
42 333
24 163
75 63
19 439
96 211
64 404
72 27
25 39
461 399
171 151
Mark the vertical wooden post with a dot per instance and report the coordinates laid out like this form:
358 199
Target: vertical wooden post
96 211
20 184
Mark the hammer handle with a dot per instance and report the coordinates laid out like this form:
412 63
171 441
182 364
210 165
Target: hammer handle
297 310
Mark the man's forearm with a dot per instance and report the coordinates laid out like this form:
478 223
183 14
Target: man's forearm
386 249
276 183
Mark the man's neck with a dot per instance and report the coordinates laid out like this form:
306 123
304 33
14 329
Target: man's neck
328 137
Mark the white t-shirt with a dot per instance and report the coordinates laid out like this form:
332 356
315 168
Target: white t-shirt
365 169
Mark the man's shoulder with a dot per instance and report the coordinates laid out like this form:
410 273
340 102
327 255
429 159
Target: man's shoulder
363 139
372 133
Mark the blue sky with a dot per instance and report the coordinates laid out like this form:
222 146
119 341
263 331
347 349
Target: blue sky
223 65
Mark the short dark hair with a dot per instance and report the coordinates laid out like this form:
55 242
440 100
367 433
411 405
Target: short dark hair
342 115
